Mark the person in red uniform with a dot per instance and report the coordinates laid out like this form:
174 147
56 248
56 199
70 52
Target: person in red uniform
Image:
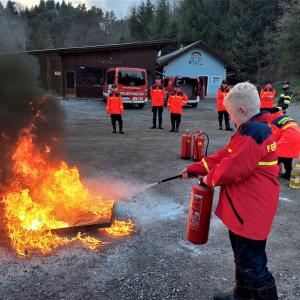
115 109
221 94
287 135
246 170
157 93
176 101
267 95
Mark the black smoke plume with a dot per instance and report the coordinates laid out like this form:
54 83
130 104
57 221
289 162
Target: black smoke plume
23 102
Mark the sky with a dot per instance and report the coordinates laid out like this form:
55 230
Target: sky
120 7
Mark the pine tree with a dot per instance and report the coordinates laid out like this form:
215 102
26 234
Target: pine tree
161 20
290 41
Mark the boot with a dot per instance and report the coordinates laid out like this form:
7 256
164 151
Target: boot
154 124
227 124
230 296
220 125
285 176
240 291
267 292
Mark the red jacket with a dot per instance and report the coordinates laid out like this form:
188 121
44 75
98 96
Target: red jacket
114 104
221 94
176 101
247 170
157 93
267 95
287 134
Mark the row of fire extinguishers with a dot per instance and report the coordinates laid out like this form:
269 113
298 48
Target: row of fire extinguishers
198 142
201 200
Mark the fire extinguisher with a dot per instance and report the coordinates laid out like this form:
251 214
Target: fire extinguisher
199 143
186 146
199 214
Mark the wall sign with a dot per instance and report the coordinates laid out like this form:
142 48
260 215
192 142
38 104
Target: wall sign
196 58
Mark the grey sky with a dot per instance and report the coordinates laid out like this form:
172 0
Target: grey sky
119 6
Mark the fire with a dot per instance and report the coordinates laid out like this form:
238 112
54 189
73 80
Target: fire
46 195
120 228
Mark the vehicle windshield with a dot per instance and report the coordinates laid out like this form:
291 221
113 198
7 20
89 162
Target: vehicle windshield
132 78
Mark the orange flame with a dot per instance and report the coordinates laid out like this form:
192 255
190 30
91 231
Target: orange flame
48 195
120 228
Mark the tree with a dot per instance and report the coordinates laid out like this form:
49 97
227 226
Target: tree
161 20
140 20
290 41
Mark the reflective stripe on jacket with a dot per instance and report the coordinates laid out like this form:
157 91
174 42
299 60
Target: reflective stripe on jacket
221 94
287 135
285 99
247 170
114 104
267 96
176 101
157 93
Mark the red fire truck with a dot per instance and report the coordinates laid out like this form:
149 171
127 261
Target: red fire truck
131 82
194 87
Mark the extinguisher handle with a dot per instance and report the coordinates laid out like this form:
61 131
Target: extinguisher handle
201 182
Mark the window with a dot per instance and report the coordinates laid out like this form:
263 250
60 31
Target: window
110 77
132 78
216 80
89 76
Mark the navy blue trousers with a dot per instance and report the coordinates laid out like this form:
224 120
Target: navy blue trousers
251 261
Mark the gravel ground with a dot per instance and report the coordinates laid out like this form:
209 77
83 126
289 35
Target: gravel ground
156 262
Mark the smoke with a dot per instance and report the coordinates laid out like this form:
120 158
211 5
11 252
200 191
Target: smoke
119 190
23 102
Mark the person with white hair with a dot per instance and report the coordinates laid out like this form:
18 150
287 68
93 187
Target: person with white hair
246 170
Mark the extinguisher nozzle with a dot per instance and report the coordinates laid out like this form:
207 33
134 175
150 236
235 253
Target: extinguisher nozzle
170 178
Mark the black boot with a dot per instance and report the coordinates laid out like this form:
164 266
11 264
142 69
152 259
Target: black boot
240 291
229 296
285 176
227 125
268 292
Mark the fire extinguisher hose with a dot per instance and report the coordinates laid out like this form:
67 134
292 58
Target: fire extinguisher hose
206 149
170 178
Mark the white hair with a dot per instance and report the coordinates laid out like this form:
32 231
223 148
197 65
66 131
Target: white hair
244 94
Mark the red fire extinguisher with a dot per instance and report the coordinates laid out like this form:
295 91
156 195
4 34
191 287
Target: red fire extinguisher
199 214
198 147
186 146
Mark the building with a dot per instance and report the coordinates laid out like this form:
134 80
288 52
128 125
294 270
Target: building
78 72
197 60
